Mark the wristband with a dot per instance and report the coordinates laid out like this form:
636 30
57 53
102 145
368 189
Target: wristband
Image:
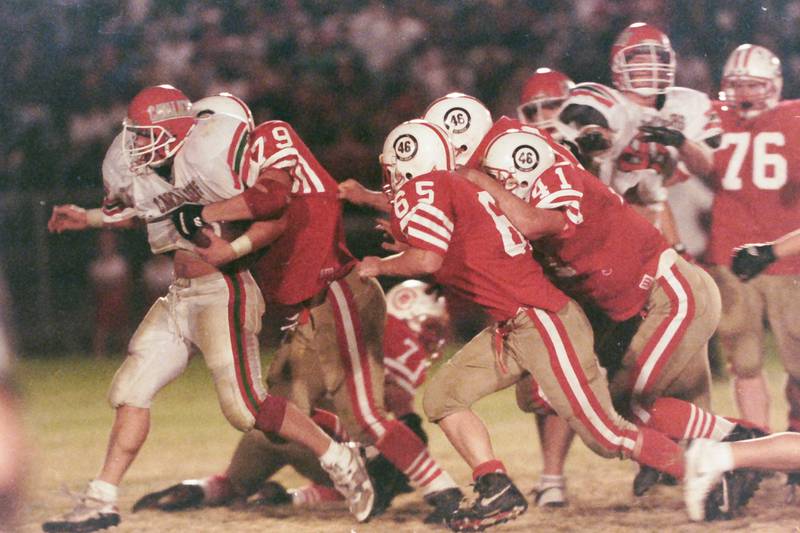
94 218
242 245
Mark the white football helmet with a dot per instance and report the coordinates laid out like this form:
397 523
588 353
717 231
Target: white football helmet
412 149
517 158
752 80
465 119
414 301
227 104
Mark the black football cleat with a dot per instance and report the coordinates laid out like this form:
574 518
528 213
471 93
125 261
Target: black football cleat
498 501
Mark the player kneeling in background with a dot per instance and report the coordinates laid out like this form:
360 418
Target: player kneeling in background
416 329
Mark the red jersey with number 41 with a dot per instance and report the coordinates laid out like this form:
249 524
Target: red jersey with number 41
757 182
311 252
486 259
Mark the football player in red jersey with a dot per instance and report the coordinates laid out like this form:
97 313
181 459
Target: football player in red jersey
340 316
662 309
541 99
756 200
454 231
416 328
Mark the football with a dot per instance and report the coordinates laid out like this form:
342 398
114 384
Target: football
225 230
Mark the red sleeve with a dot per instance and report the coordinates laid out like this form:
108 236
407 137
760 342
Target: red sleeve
561 187
422 215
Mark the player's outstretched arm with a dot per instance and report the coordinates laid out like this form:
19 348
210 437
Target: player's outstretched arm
355 193
69 217
533 222
409 263
266 200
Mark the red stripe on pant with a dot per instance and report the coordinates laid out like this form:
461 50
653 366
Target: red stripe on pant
355 359
237 308
680 303
569 363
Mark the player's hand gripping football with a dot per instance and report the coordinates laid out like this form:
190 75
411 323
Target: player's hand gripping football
218 252
188 220
751 259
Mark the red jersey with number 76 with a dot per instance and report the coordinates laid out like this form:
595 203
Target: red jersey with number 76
486 259
757 183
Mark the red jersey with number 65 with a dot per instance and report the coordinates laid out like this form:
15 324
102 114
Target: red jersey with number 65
486 259
311 252
757 182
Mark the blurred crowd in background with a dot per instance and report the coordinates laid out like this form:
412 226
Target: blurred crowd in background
343 73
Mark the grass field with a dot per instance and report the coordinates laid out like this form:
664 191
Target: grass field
67 421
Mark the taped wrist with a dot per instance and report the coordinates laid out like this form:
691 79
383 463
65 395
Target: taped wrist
267 199
94 218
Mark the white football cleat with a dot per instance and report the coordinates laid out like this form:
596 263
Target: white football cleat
701 476
89 514
350 477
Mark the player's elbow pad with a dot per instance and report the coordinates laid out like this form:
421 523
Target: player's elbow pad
267 199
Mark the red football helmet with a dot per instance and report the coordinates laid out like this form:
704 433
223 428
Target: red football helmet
642 60
542 95
159 118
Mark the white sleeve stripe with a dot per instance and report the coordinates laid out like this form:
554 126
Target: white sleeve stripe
280 154
431 225
430 210
568 193
427 237
547 204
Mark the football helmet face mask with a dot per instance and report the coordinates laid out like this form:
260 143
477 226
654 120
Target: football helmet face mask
465 119
225 104
752 80
422 309
516 159
541 98
412 149
642 60
159 119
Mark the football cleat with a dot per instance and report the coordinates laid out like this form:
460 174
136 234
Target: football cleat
700 478
89 514
498 500
272 493
792 482
350 477
445 503
550 493
184 495
647 477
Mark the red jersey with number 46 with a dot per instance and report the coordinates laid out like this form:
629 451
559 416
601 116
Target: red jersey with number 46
757 182
311 252
486 259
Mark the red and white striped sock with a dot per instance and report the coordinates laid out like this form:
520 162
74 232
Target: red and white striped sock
408 453
681 420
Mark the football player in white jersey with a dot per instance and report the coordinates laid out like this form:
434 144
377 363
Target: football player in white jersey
647 133
166 157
